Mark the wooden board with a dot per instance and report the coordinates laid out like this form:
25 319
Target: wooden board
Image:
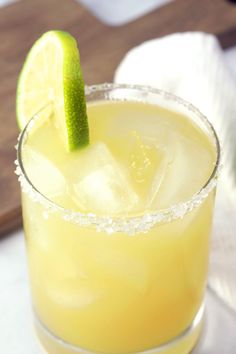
102 48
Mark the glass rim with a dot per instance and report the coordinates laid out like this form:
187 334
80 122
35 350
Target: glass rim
130 224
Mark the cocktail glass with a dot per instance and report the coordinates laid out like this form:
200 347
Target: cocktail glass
105 284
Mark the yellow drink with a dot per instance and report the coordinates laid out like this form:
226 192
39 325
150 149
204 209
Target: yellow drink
120 270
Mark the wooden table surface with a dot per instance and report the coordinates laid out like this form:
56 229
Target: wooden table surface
101 47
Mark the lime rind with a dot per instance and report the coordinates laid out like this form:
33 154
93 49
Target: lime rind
74 99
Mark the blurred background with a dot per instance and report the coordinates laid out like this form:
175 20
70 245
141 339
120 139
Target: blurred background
106 30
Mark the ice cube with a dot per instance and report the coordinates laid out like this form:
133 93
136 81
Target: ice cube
44 175
122 267
160 175
169 183
70 285
140 155
72 294
100 184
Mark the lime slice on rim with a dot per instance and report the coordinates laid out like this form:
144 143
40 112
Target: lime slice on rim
52 73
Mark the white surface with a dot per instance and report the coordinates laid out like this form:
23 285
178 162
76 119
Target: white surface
16 333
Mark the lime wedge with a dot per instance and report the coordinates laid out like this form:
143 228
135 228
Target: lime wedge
52 73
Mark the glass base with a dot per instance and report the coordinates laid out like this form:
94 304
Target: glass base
182 344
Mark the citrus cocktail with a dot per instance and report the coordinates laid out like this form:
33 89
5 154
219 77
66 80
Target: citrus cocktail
118 187
118 232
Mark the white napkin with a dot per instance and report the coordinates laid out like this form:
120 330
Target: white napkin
6 2
192 66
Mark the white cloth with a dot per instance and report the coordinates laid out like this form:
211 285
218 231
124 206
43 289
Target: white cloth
193 66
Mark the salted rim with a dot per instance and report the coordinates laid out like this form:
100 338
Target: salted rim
126 224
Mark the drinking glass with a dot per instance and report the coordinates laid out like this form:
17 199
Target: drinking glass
105 284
